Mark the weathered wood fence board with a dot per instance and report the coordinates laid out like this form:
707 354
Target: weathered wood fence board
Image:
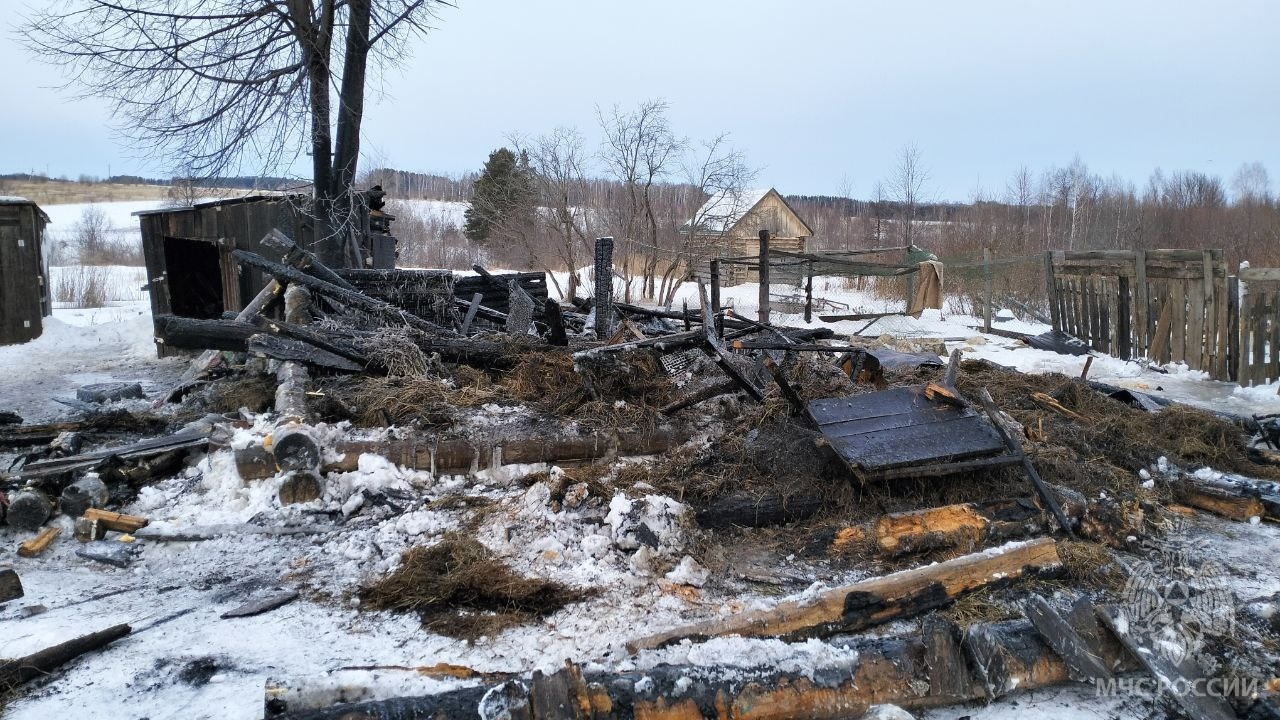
1259 322
1166 305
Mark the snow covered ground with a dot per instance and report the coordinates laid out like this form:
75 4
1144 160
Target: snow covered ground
183 661
79 347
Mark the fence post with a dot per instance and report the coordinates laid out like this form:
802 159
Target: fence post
1051 291
1142 303
808 295
986 287
764 276
715 299
911 278
604 287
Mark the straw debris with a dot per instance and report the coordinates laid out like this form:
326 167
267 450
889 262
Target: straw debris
459 588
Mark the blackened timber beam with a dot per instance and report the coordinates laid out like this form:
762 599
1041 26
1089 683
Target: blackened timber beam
359 301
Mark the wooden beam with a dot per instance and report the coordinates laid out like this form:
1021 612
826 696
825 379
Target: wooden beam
878 600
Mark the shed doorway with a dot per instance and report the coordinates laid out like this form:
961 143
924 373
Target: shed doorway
194 276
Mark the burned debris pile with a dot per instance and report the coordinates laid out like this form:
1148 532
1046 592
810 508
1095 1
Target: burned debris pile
456 441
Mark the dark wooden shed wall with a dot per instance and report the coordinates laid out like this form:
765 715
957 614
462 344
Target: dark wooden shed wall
24 297
229 226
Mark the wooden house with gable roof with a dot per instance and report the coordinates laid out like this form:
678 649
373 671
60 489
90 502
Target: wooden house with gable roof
729 224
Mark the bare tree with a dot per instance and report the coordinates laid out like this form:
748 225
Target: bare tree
908 183
1020 193
226 84
639 149
712 169
558 161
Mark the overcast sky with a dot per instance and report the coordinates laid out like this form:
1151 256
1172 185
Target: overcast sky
821 95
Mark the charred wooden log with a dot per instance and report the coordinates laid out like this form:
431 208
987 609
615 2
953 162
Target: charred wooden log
138 450
83 494
878 600
39 664
384 311
199 334
111 421
28 509
10 585
456 456
912 672
759 511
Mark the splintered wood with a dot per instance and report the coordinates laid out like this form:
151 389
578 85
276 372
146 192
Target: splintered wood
118 522
878 600
34 546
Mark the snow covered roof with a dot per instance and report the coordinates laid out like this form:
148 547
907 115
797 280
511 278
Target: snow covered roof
726 208
14 200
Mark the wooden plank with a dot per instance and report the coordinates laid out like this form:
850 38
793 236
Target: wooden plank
1106 309
886 403
1216 331
1069 303
1124 318
886 422
1246 338
1174 256
32 547
873 601
1178 320
1062 637
1255 275
1258 332
1273 342
1051 289
956 439
1141 305
1175 677
1231 329
1197 358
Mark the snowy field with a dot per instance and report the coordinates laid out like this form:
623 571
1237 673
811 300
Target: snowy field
183 661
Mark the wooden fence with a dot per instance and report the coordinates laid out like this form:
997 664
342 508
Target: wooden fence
1165 305
1259 338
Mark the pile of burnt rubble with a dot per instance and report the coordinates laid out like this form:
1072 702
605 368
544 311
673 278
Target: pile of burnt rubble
1003 513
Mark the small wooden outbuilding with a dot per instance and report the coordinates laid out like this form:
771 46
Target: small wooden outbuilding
729 224
191 271
24 272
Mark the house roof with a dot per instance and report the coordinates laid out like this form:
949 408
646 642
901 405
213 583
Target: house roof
19 200
722 211
215 203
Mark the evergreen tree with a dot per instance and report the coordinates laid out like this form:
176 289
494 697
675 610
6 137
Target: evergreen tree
503 198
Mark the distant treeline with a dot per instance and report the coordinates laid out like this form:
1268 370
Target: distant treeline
242 182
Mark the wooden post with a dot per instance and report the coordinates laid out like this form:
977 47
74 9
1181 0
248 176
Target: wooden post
1232 329
604 288
986 289
471 313
1124 320
808 295
715 298
1051 291
1142 304
764 276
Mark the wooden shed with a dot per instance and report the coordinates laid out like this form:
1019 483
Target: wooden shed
24 286
729 223
191 271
